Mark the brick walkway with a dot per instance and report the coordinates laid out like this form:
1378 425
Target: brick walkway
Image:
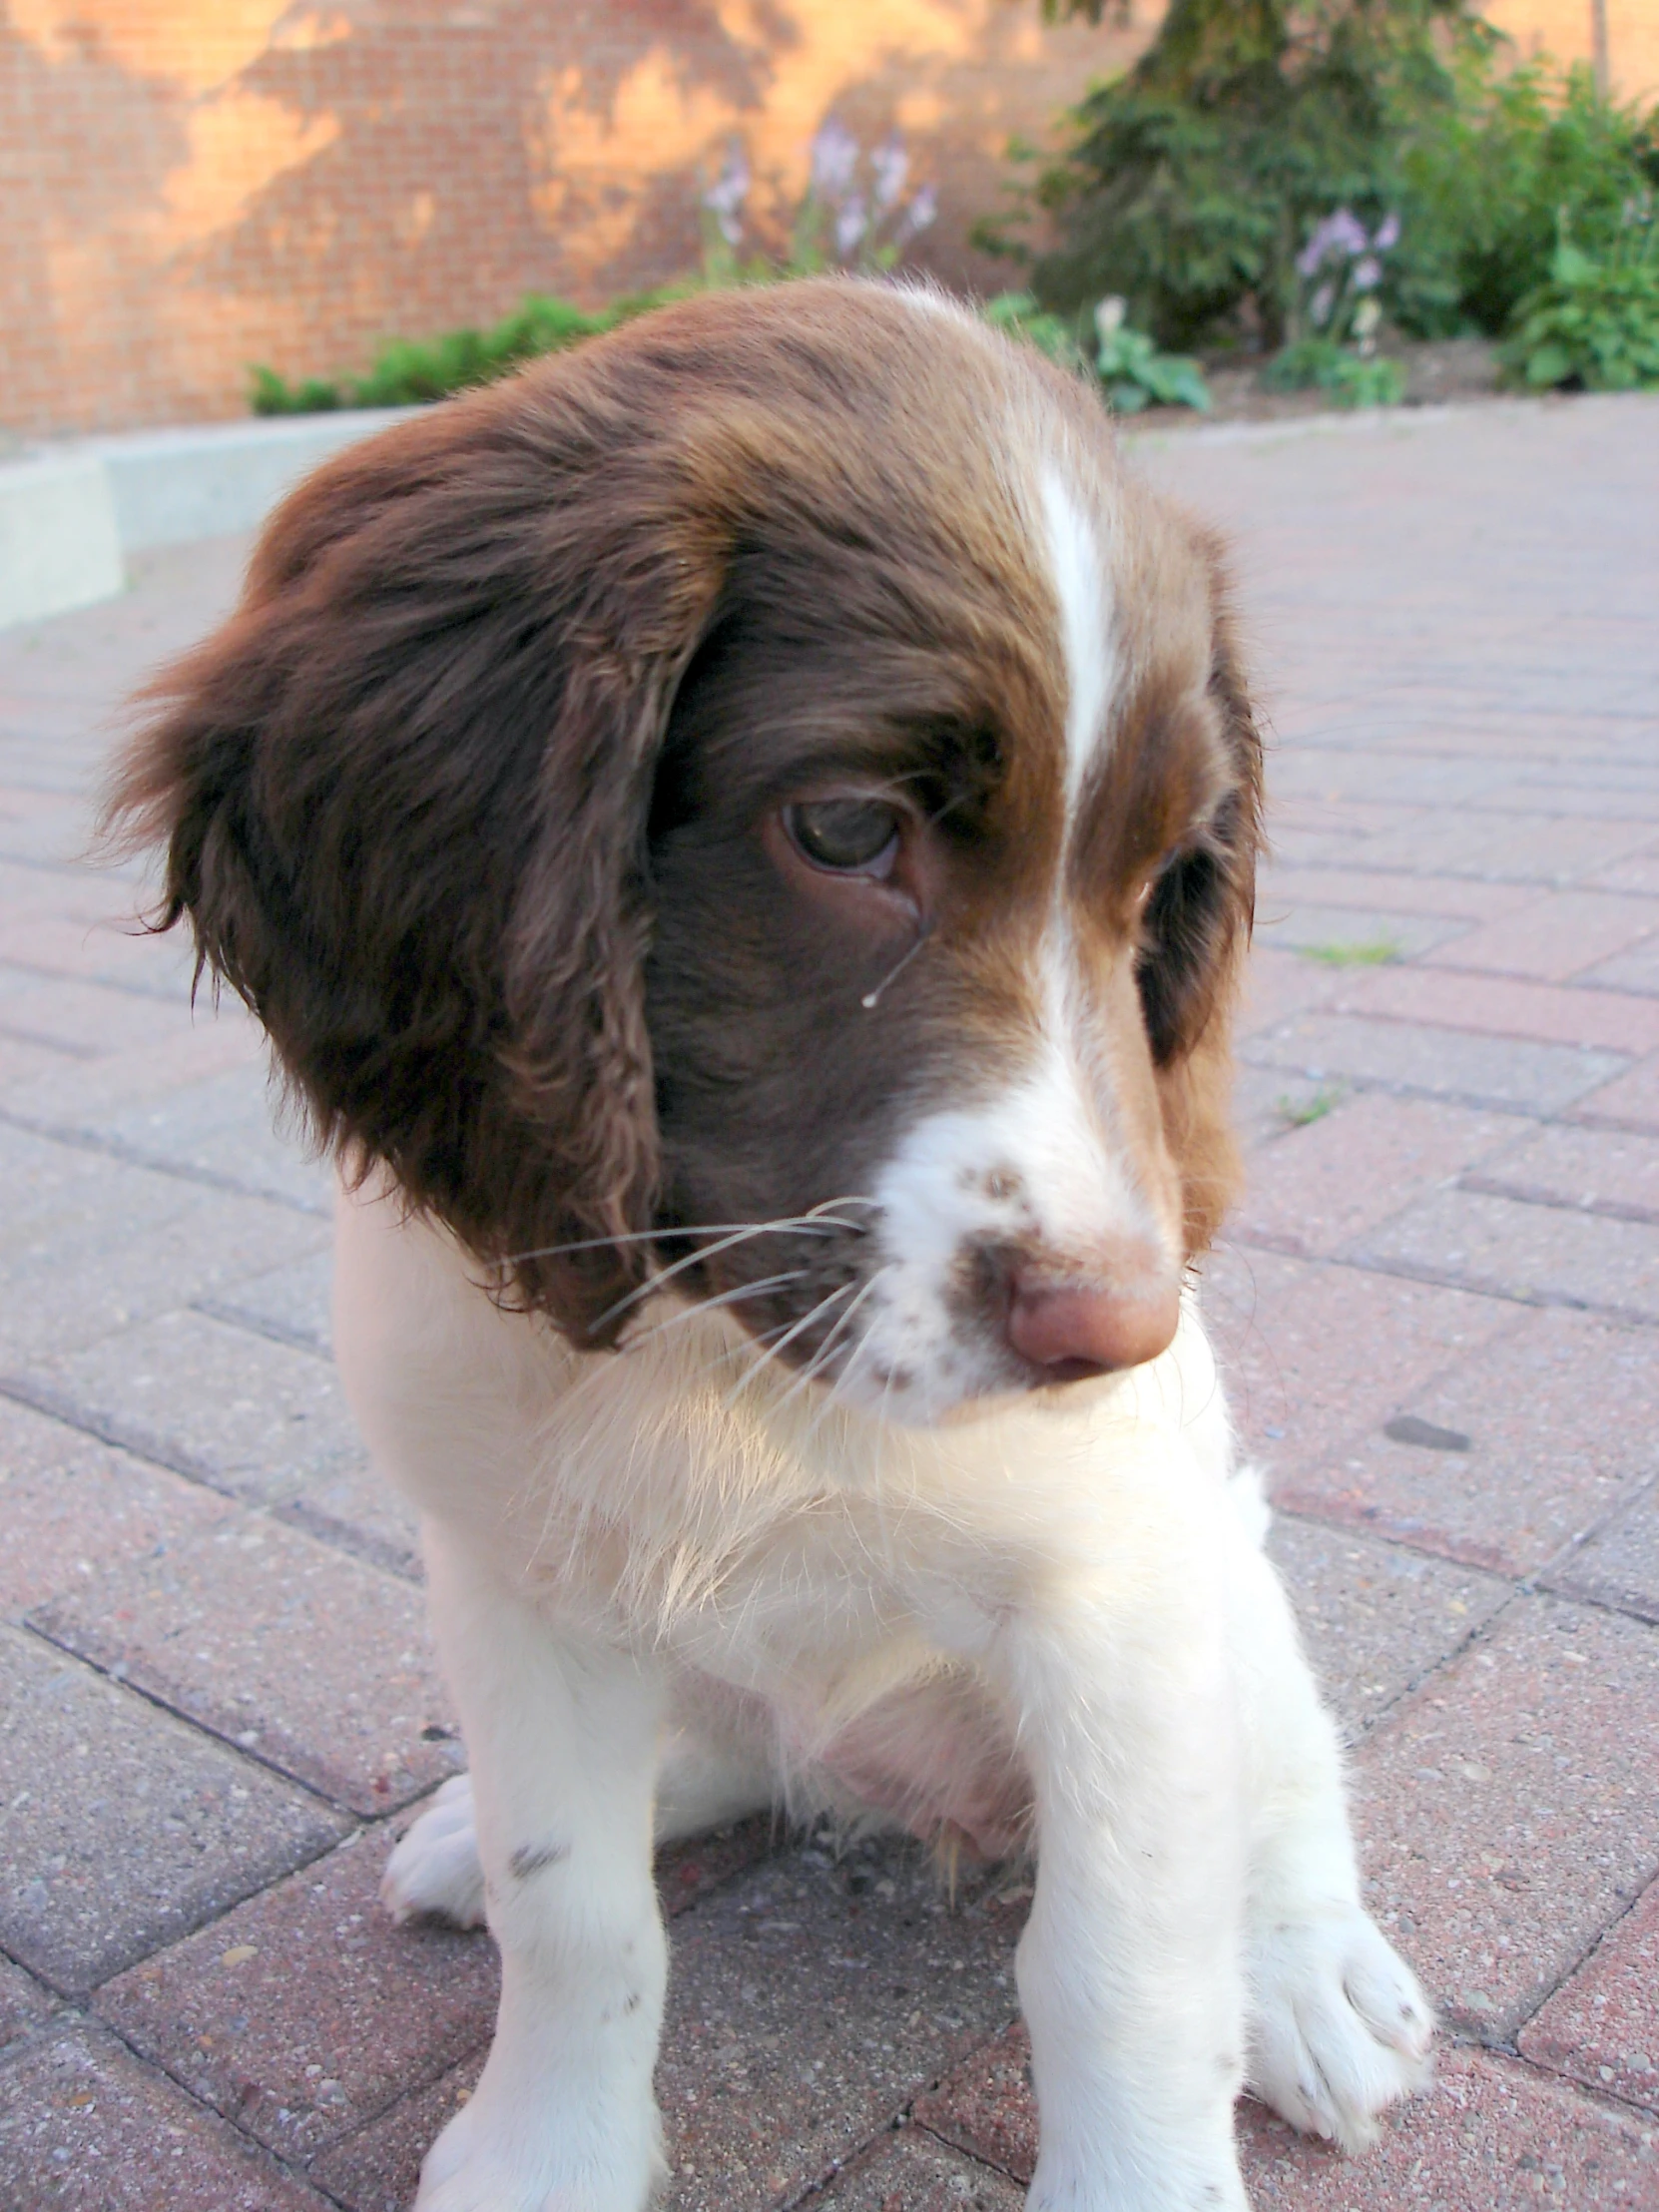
1438 1304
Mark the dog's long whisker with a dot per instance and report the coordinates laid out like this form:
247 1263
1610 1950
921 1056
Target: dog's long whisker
705 1252
817 1218
712 1305
812 1314
851 1363
826 1351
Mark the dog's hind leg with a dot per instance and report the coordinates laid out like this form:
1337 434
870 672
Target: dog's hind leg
711 1769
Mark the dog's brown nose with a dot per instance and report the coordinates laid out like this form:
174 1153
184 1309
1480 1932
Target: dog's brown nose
1072 1333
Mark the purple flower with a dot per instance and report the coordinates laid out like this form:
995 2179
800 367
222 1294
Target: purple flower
835 158
1368 274
1387 235
922 210
850 223
889 166
726 196
1341 232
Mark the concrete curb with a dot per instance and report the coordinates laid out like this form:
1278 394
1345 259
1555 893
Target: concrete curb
69 516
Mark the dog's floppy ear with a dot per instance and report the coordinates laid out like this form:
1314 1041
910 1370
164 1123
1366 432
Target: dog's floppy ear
403 795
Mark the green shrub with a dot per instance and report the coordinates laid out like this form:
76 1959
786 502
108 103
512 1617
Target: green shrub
1350 380
1518 149
1195 180
1195 183
1593 322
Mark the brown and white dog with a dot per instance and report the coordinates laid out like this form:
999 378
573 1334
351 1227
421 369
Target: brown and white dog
742 841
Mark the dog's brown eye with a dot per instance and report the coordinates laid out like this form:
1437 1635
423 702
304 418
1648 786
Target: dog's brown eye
855 836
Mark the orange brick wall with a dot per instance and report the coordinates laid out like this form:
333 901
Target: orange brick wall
190 186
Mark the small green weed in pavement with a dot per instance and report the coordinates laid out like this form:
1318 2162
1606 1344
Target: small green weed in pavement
1375 952
1300 1112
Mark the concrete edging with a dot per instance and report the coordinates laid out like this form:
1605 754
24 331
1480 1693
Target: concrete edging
71 515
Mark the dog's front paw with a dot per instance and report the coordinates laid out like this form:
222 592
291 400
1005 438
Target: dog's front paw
435 1871
1340 2029
513 2154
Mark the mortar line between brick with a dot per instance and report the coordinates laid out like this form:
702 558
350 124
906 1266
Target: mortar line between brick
22 1392
1645 1885
134 1155
1391 1087
1534 1194
122 1681
160 2068
98 982
257 1325
1386 1018
1405 1270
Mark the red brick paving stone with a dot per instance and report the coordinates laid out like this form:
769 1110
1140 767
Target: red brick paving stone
1320 1185
312 1660
376 2169
911 2171
1488 2136
1560 1410
1631 1101
1504 1006
1634 970
1545 1255
1618 1566
1348 934
1267 1103
256 1419
1279 984
87 2128
760 2091
1602 2027
89 1020
136 1828
306 2011
985 2108
1310 1352
70 1504
1507 1811
1612 1170
89 1245
1456 898
1542 849
67 1094
1638 872
1564 933
1376 1618
1507 1072
26 2005
358 1510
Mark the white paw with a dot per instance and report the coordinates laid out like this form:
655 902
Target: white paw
1340 2029
435 1870
514 2155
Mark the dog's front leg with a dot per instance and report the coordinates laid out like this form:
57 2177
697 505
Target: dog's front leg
1130 1970
563 1735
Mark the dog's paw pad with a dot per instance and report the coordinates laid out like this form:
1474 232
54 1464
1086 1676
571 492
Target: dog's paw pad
1340 2029
435 1873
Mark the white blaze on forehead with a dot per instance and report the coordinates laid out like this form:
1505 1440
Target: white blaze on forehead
1080 587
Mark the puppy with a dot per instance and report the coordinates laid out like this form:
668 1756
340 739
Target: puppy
742 839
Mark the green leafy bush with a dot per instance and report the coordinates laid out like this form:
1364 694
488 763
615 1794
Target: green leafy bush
1136 374
1195 183
410 370
1491 183
1593 322
1195 180
1350 380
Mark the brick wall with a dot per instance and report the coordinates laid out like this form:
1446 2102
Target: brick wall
190 186
193 185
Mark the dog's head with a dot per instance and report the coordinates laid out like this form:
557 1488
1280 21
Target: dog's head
769 767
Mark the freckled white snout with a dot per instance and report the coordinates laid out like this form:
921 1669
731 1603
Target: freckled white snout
1073 1332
